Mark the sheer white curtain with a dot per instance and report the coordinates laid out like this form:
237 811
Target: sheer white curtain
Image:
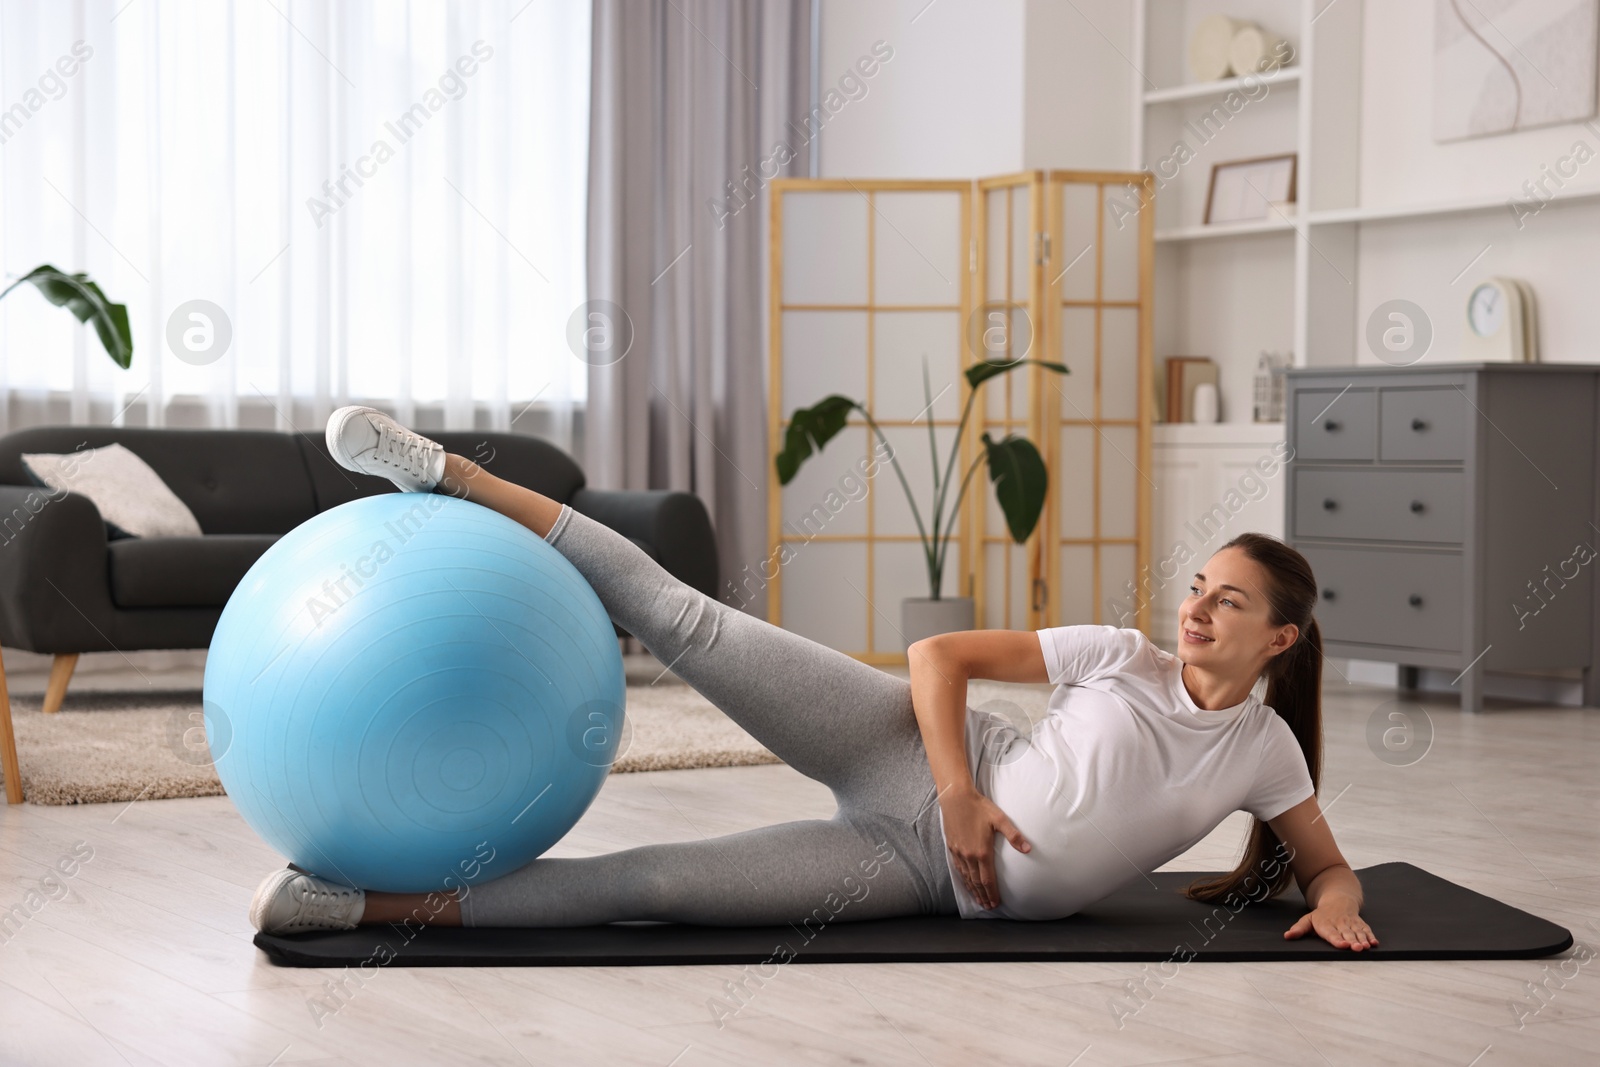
379 200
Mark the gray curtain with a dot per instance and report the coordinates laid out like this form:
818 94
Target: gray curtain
687 97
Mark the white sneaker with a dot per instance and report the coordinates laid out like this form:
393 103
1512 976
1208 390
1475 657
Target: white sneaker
293 902
370 442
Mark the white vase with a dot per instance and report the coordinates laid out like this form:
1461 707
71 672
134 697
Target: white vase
1205 402
921 617
1210 49
1254 49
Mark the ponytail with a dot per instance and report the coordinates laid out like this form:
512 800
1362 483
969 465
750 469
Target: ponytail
1294 692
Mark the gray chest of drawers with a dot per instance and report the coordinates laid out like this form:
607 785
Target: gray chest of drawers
1448 512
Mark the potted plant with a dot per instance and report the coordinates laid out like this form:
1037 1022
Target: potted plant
1015 468
83 298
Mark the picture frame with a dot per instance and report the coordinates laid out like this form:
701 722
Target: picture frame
1244 190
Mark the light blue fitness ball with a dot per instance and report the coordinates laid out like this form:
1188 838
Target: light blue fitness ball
411 692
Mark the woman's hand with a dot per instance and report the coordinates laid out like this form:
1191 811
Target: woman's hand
1336 923
970 822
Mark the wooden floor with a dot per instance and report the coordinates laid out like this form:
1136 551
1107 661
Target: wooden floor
147 958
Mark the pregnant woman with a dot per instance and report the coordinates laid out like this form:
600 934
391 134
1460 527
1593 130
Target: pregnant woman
942 809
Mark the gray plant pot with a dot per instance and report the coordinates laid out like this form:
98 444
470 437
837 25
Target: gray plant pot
921 617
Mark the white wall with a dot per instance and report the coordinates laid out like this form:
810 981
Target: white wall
1077 85
1426 260
948 104
978 87
983 87
1423 260
1400 163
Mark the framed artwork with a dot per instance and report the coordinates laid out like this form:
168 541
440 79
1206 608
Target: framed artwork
1534 65
1245 190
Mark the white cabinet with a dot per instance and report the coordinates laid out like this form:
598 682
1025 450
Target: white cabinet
1212 481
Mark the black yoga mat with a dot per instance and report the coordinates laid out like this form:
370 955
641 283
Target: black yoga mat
1415 915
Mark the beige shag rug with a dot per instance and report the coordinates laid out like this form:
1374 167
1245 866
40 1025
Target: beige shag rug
150 745
103 747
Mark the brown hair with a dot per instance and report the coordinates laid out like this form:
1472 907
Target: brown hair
1294 692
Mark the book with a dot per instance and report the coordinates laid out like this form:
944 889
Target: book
1183 373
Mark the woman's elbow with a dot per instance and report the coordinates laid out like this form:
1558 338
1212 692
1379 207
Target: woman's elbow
933 653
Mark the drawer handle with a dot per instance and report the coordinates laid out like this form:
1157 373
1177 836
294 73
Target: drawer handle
1327 594
1416 507
1330 504
1418 424
1331 425
1416 601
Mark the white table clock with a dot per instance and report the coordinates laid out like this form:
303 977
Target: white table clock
1502 322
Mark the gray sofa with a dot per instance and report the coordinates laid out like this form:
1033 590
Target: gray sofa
66 587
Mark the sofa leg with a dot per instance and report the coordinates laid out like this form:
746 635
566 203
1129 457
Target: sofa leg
60 675
8 743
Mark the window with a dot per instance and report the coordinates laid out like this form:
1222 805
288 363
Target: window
371 201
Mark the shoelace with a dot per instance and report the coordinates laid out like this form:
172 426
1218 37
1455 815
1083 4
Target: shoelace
403 449
319 902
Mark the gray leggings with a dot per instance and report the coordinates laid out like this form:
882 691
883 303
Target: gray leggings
844 723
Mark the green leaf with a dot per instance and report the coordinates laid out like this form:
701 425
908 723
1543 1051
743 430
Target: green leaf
983 370
83 298
1020 480
809 430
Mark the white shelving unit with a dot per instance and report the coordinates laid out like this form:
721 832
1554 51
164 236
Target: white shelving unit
1453 207
1230 291
1396 213
1233 229
1417 219
1290 282
1220 87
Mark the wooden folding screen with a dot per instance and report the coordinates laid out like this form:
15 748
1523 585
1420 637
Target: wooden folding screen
1100 252
1008 583
870 277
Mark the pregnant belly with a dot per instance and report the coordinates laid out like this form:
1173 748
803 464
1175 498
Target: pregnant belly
1060 874
1080 850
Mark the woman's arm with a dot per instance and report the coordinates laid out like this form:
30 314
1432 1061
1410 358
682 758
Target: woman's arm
1331 888
939 697
1336 882
940 668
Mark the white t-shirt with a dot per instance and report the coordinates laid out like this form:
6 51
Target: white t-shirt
1122 774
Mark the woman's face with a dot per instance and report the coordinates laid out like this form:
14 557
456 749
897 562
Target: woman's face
1224 624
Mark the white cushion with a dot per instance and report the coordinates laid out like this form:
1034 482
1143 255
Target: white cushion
130 495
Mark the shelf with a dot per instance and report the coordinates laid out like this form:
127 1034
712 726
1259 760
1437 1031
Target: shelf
1220 87
1230 229
1393 213
1187 434
1449 207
